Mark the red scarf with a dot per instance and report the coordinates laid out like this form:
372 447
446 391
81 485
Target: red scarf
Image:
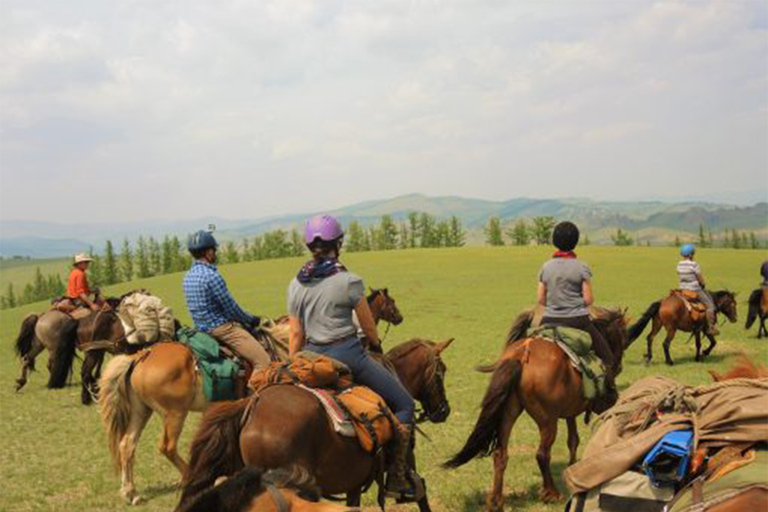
564 254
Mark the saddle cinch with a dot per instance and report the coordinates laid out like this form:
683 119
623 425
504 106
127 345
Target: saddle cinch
695 307
330 381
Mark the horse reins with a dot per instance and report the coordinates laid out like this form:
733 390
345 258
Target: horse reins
278 498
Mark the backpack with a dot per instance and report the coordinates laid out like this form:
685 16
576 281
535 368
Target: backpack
372 419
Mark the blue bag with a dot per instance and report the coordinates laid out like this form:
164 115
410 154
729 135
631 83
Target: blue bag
667 462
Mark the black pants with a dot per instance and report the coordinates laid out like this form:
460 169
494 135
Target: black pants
584 323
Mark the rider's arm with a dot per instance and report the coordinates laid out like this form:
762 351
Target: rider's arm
541 294
230 308
700 277
365 317
586 292
295 335
87 301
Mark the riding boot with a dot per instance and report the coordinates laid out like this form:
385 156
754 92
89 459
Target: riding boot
712 325
399 485
611 391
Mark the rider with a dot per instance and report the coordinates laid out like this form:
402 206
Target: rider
78 291
321 301
691 279
565 290
213 309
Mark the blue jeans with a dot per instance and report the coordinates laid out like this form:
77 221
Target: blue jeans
370 373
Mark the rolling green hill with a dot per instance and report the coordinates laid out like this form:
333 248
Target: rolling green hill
54 456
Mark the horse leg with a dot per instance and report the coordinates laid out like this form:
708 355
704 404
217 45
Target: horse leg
89 375
173 424
28 363
495 501
667 343
573 439
140 414
697 337
712 343
548 434
762 328
655 328
353 498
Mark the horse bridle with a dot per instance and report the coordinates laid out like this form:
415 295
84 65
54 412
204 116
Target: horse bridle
434 389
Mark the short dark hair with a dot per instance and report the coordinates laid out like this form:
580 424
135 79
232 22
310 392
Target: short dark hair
565 236
199 253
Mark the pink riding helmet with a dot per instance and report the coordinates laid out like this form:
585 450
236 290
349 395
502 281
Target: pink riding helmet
324 227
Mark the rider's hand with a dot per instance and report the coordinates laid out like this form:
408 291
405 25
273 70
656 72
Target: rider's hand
95 307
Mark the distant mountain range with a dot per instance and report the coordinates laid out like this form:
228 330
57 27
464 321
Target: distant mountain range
655 221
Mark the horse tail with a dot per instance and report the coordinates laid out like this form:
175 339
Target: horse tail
26 335
754 307
485 436
215 449
63 356
635 330
520 326
115 402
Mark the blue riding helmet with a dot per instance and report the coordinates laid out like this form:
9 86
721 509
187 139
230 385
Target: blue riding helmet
202 240
687 250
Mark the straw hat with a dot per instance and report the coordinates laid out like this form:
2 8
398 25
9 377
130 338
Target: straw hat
79 258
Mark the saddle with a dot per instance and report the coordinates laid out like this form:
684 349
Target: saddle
331 382
68 307
695 307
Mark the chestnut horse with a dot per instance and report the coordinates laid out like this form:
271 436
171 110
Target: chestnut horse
672 314
254 490
288 425
534 375
758 309
61 335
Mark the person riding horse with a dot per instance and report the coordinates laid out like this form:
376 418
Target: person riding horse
690 279
78 291
321 302
565 291
213 309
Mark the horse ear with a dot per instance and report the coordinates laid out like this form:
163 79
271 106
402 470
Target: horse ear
443 345
386 291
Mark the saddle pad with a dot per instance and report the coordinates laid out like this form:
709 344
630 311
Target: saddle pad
341 422
577 345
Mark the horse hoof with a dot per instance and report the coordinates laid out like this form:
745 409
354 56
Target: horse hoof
550 496
136 500
671 363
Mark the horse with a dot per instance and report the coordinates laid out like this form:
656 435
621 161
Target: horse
758 309
256 490
536 376
62 335
288 425
672 313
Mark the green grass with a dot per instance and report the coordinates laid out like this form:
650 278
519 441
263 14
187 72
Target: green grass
21 272
53 455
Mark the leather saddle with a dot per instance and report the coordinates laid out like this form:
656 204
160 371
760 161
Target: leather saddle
696 308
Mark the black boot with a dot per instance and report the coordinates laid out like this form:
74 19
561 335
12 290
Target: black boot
712 325
399 474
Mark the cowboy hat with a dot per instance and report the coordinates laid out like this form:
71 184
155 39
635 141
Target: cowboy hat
79 258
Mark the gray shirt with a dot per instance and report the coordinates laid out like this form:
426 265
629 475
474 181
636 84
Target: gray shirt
688 275
564 278
325 306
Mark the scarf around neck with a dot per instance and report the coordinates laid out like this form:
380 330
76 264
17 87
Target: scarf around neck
319 270
564 254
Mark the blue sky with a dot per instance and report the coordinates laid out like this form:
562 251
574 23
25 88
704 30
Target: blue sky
141 109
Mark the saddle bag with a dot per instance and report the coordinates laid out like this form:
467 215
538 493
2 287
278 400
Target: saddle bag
306 368
373 421
630 491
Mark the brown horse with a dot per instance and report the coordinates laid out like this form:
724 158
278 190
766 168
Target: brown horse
61 335
287 425
254 490
534 375
672 314
758 309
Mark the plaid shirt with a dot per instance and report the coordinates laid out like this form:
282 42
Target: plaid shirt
208 299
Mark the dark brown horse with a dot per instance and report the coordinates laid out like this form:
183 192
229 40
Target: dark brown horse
758 309
672 314
287 425
534 375
62 335
254 490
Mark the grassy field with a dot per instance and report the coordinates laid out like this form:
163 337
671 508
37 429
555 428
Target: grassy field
21 272
53 455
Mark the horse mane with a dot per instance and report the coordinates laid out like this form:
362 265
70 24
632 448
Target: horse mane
374 293
606 316
743 369
718 294
406 348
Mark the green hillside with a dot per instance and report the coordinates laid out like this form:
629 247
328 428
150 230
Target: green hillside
20 272
470 293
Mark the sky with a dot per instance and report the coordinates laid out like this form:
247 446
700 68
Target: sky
152 109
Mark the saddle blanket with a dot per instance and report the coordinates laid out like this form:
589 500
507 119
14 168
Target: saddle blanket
342 424
577 345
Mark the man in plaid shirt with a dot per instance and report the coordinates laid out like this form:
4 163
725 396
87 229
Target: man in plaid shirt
213 309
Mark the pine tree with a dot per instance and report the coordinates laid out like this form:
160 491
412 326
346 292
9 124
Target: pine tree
110 265
735 239
166 265
177 255
387 233
753 243
404 238
10 296
413 223
702 236
257 248
710 239
96 271
40 288
28 295
542 229
3 302
126 261
677 242
520 234
442 234
142 259
622 238
426 230
297 244
55 286
493 232
366 243
586 240
155 258
457 236
230 254
353 241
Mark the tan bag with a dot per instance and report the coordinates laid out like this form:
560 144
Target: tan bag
630 491
373 421
306 368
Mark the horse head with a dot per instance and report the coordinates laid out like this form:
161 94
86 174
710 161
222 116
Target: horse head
612 323
725 302
383 306
422 371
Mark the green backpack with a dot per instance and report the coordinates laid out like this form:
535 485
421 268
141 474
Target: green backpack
219 372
